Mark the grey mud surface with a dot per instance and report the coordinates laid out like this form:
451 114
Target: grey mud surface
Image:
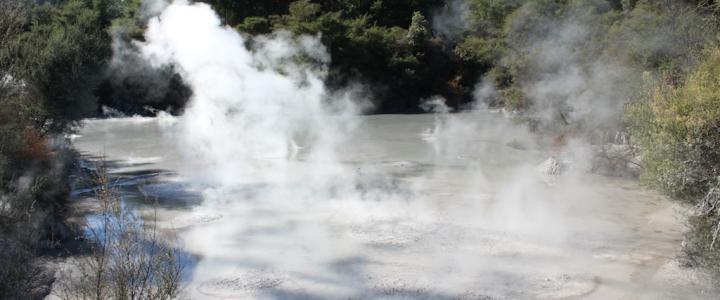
429 220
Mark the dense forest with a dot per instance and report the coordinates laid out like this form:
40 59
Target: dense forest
647 68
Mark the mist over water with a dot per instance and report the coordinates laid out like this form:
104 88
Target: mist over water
296 196
254 104
411 217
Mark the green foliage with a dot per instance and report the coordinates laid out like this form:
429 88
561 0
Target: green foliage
479 50
678 130
364 41
50 56
391 58
658 37
234 11
418 31
514 98
305 18
304 10
628 5
677 127
22 112
31 174
487 17
700 245
126 21
254 25
372 41
661 38
62 52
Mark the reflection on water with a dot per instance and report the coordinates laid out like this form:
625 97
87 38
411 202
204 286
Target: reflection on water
403 216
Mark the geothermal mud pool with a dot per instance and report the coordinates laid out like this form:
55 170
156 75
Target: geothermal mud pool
404 207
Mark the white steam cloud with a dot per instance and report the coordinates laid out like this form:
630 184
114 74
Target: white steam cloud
589 95
451 20
254 103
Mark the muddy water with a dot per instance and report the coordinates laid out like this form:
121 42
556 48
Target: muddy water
429 217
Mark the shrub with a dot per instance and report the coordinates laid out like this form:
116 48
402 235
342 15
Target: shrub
128 258
703 245
678 130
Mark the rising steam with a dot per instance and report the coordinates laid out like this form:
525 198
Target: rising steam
256 101
302 199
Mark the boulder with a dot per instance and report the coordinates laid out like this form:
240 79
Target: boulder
550 169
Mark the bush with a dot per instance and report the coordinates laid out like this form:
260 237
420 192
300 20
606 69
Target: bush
703 244
678 130
128 259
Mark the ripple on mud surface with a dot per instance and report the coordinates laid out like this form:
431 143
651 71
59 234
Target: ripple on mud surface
196 218
242 285
563 286
390 233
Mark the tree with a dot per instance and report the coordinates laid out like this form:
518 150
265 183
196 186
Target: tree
61 55
418 31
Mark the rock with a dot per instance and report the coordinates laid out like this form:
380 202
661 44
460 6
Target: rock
550 166
550 169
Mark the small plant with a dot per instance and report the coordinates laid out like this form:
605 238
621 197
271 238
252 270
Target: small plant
128 258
